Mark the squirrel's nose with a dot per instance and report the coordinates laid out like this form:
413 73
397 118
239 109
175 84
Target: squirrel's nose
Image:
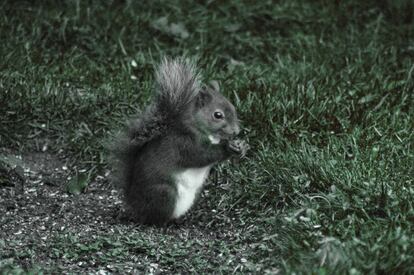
232 130
236 130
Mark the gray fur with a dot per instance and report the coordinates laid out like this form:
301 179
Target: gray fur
178 83
171 136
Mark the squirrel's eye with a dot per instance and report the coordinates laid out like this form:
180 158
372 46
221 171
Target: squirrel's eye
218 115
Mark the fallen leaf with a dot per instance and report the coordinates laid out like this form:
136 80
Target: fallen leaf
77 184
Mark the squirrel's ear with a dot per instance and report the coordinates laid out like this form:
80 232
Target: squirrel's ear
215 85
203 97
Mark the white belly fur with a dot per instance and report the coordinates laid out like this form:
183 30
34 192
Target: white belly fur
188 183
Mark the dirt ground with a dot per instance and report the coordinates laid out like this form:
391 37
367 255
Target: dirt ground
45 227
38 207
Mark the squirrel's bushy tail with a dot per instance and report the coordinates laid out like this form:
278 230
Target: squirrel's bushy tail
178 83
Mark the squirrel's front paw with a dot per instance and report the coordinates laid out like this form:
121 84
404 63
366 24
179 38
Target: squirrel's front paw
239 146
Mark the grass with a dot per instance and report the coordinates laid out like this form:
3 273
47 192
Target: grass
325 93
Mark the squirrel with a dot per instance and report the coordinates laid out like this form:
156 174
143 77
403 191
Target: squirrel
166 154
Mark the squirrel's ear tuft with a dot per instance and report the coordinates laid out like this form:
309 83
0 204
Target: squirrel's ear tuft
204 97
215 85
